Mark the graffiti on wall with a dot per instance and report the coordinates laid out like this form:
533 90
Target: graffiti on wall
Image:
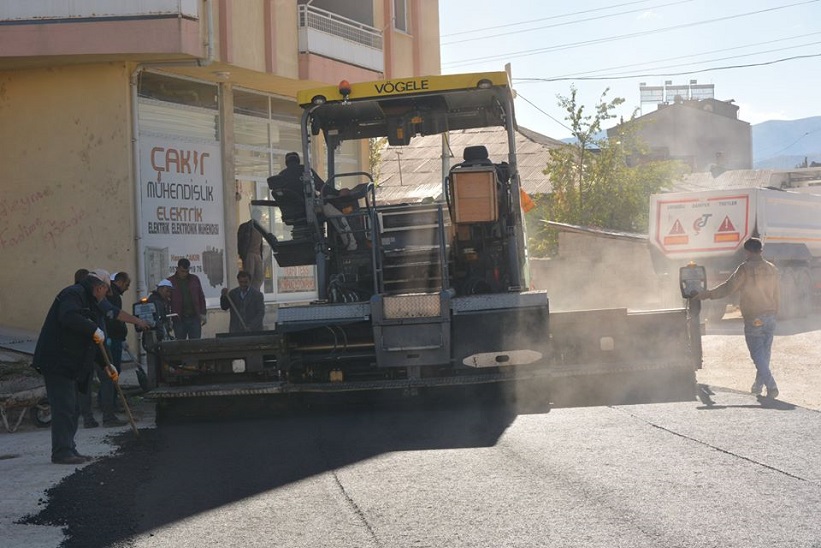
23 223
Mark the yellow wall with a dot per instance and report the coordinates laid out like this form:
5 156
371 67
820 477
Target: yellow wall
67 199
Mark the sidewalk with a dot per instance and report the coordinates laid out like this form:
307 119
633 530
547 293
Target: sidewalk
27 472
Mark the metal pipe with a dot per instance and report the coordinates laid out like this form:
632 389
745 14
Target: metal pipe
326 347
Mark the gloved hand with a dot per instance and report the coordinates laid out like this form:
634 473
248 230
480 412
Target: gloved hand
111 371
203 319
98 336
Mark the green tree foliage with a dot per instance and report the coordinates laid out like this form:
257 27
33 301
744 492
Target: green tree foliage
599 183
375 148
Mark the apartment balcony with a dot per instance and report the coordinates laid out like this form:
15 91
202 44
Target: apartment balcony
139 29
335 37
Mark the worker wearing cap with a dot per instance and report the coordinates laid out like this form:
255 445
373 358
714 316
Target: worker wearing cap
66 351
757 282
161 297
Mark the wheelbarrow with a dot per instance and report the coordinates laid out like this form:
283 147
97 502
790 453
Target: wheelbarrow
32 401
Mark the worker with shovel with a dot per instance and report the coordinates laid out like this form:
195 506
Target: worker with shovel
66 352
246 303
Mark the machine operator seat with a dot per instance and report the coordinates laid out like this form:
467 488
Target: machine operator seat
300 250
477 155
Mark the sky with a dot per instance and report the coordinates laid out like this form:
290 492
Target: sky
764 55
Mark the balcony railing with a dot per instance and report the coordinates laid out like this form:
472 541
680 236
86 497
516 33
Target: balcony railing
330 35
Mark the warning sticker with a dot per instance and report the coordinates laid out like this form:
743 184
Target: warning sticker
726 232
700 223
676 236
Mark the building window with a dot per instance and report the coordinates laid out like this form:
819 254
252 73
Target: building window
265 129
400 15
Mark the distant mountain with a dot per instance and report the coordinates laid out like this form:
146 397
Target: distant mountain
783 144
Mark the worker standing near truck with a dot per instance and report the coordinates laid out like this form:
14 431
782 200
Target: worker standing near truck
757 282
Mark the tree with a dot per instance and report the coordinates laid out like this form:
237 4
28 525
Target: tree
375 148
599 182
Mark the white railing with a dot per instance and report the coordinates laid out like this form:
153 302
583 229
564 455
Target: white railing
337 25
28 10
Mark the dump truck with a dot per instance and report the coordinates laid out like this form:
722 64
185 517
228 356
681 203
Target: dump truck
436 294
711 226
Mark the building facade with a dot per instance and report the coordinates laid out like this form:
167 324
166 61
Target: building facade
705 134
135 133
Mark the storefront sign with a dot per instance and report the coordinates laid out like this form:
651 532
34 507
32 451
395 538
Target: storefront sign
182 210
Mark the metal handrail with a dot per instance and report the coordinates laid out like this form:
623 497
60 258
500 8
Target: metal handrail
338 25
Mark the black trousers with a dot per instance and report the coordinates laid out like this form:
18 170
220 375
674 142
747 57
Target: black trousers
65 413
107 397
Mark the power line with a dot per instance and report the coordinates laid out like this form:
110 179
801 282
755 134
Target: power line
526 53
526 100
495 27
593 71
791 144
614 75
661 75
562 24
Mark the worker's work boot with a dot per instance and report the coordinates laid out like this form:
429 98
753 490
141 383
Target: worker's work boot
90 422
69 459
772 391
756 388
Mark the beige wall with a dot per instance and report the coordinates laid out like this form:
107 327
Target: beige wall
285 43
248 34
67 198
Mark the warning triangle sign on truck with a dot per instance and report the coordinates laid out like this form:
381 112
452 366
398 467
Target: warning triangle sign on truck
676 236
726 232
726 225
677 228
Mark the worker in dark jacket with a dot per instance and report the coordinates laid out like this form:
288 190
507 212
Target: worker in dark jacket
116 328
247 305
66 352
188 302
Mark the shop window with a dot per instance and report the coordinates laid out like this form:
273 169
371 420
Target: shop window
265 129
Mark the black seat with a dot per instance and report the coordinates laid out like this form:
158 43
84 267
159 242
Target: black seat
476 156
300 250
291 203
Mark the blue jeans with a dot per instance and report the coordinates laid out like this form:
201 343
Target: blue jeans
760 342
188 327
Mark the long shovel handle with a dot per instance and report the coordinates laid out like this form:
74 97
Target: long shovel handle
234 306
104 351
